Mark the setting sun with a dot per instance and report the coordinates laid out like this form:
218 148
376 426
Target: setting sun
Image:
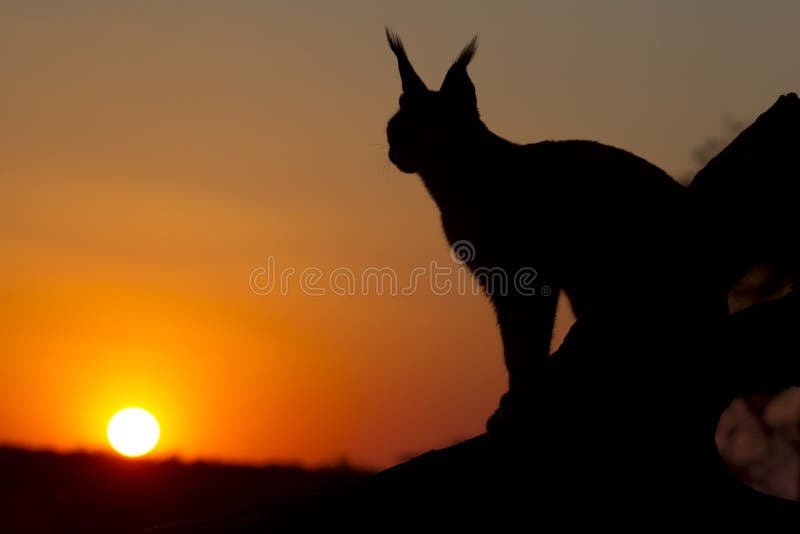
133 432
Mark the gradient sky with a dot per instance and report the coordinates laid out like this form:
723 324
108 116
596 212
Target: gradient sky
152 154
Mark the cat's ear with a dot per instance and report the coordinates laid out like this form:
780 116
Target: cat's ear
457 86
412 83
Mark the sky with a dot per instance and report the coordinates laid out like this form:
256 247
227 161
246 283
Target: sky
159 159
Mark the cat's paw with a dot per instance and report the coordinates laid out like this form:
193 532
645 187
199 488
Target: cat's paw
514 418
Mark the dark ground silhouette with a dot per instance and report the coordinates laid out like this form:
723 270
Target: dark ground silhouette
45 492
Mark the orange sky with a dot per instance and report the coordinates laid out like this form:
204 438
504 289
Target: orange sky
151 156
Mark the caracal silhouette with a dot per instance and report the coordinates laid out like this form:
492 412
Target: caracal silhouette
566 209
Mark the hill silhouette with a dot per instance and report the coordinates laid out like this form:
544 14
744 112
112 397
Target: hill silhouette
47 492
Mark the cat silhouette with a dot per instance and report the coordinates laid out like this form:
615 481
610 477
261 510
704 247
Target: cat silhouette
562 211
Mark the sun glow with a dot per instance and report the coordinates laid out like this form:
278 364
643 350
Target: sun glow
133 432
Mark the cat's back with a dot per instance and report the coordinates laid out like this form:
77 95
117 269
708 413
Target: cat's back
592 180
594 164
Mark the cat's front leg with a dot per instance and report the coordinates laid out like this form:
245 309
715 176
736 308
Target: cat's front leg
526 327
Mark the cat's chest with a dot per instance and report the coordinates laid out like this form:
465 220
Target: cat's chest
480 227
493 208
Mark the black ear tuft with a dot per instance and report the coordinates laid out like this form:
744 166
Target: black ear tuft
394 42
457 85
468 53
412 83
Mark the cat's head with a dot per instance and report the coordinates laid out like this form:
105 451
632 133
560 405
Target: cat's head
431 124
